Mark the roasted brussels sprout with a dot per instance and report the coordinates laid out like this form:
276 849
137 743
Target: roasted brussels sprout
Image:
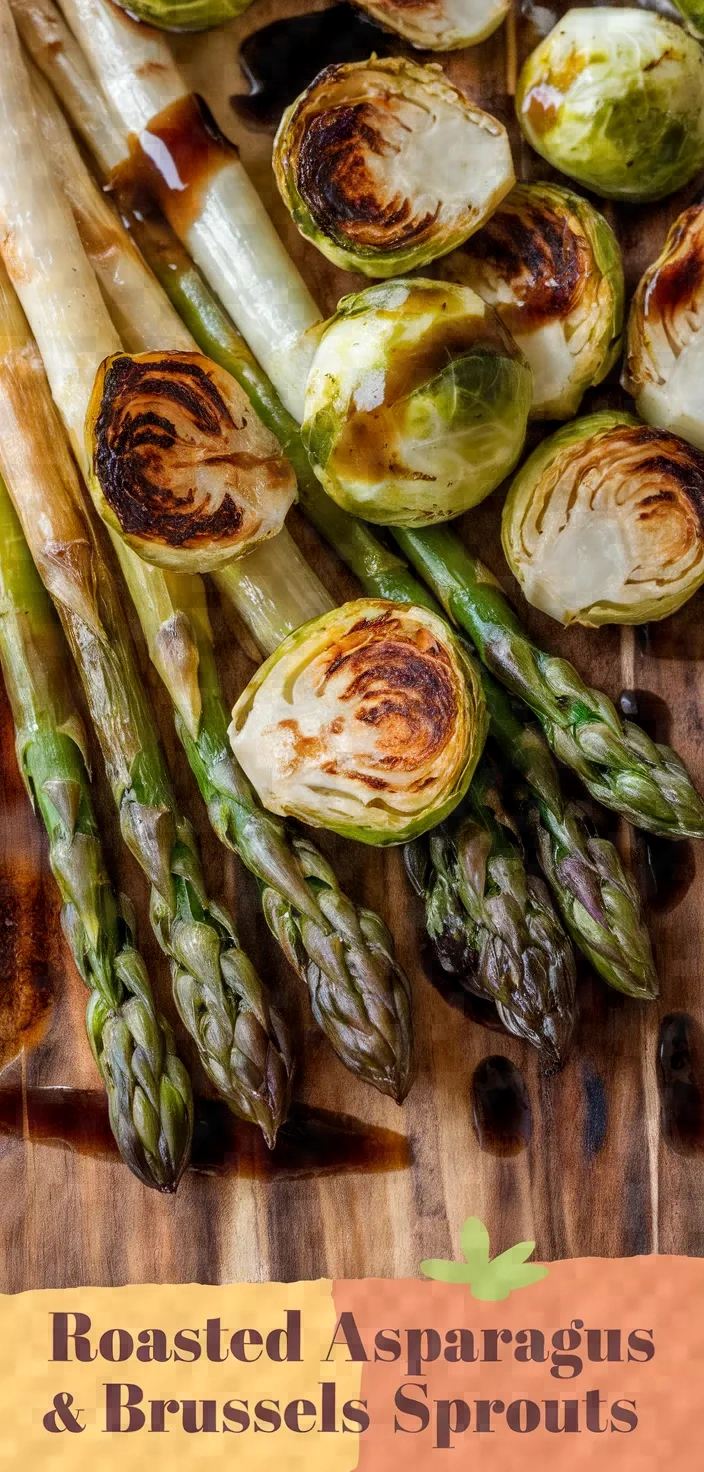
438 25
551 266
369 721
615 99
416 404
384 165
604 524
664 368
180 464
184 15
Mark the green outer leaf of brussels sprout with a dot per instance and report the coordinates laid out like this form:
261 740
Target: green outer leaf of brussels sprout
371 261
642 142
530 474
475 742
474 392
693 12
185 15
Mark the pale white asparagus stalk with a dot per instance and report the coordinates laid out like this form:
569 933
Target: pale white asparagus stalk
73 329
58 56
146 319
124 279
227 231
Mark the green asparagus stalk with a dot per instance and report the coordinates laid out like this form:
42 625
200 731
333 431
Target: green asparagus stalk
148 1088
492 924
618 763
597 897
343 953
242 1042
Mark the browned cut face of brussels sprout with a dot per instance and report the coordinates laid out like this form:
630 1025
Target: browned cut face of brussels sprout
384 165
438 25
664 368
604 524
180 464
551 266
369 721
614 97
416 402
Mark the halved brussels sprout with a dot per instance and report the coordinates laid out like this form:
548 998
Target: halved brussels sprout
180 464
615 98
416 404
438 25
184 15
604 524
368 721
664 368
551 266
384 165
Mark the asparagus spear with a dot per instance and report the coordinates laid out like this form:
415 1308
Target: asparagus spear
344 953
148 1088
617 761
493 925
242 1042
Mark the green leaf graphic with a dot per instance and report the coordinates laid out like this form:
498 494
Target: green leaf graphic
488 1279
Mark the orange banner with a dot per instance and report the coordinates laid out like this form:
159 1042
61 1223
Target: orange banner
599 1364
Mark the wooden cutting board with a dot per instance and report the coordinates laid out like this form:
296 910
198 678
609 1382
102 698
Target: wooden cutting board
361 1187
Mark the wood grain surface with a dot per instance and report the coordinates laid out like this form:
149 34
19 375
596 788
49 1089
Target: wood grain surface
597 1176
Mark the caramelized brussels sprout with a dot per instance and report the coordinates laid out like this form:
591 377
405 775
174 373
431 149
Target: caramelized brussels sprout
180 464
664 368
438 25
368 721
416 404
604 524
184 15
551 266
615 98
384 165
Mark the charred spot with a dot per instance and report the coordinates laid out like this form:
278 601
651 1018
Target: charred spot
539 252
337 185
406 693
130 444
677 283
671 459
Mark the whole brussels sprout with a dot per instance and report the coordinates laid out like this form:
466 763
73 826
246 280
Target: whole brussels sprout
438 25
615 99
604 524
384 165
551 266
664 368
369 721
180 466
184 15
416 404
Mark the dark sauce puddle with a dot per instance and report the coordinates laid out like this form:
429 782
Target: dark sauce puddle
503 1120
681 1082
313 1142
281 59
